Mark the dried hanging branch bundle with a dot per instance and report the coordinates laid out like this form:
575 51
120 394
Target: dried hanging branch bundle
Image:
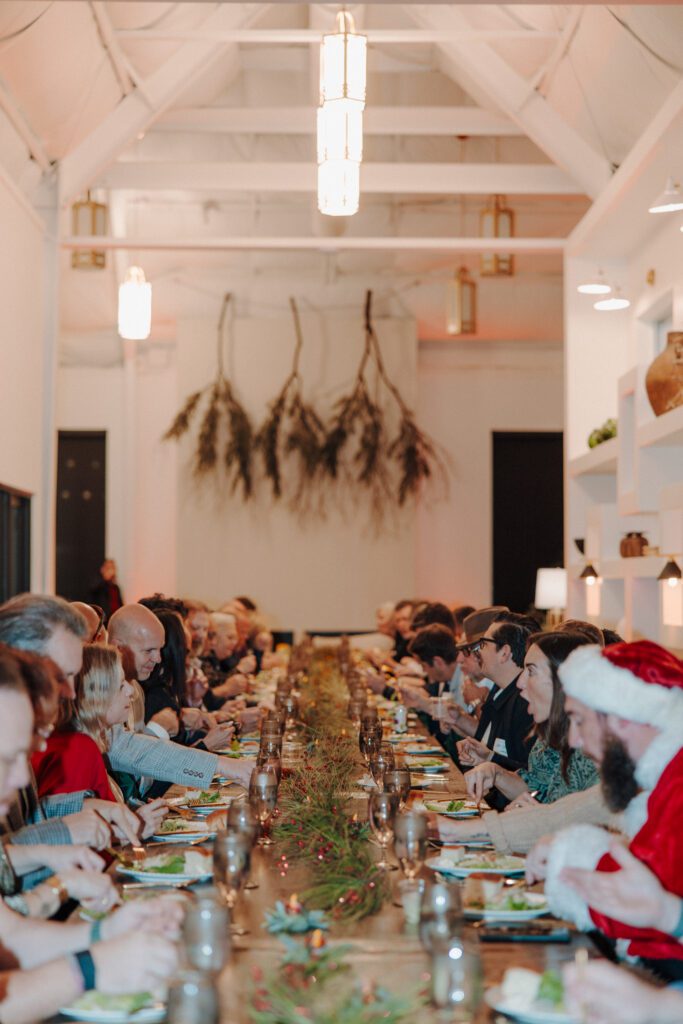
223 406
292 427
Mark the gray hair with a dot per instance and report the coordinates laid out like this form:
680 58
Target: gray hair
220 618
28 621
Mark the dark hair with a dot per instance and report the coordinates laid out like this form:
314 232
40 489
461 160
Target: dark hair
159 602
460 613
610 637
32 674
171 670
247 603
581 628
557 647
515 635
194 606
435 641
403 604
529 622
433 614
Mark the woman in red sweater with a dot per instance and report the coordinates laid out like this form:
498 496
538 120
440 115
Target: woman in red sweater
75 754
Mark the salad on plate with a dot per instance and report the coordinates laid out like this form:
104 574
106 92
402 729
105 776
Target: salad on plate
172 829
530 997
453 808
204 800
141 1007
184 866
426 764
460 863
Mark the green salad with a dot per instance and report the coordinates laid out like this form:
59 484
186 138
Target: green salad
551 989
455 805
206 796
174 864
170 825
99 1001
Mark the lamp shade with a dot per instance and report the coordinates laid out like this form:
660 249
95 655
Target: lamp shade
135 306
670 200
339 187
343 66
671 573
551 588
340 134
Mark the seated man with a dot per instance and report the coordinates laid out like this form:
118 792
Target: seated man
223 668
638 690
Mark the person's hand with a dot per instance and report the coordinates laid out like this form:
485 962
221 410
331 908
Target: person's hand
236 769
195 719
94 890
233 686
602 993
88 828
125 824
249 718
69 858
247 665
375 680
523 802
633 895
151 815
168 720
160 914
218 737
537 860
472 693
480 780
410 667
414 697
471 751
140 961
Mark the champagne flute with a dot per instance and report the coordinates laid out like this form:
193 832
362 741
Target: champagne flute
231 852
382 809
410 842
262 798
397 780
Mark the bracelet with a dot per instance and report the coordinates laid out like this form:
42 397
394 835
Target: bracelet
677 933
96 932
86 966
58 888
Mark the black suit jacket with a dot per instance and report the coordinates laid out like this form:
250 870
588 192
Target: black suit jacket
511 725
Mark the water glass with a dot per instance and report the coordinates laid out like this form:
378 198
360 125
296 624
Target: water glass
440 915
381 760
382 810
241 819
456 976
397 780
192 999
231 862
206 934
263 788
369 716
410 841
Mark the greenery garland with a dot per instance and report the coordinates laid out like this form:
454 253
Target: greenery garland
316 822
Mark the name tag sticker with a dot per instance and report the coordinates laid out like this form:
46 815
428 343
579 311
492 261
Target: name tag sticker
499 747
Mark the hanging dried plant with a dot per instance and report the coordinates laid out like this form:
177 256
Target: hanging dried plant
414 452
223 409
292 427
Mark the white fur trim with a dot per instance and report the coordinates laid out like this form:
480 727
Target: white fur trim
635 814
590 676
580 846
658 757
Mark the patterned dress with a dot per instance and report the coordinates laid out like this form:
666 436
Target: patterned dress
544 773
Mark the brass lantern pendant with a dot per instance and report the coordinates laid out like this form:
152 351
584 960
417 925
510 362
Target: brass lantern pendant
497 221
461 304
88 219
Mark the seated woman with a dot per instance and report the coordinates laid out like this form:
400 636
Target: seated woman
75 754
554 770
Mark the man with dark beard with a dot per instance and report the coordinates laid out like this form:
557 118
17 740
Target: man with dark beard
626 706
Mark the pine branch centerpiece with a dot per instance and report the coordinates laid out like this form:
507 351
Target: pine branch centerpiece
316 823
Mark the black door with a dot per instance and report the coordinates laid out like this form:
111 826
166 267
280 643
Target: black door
80 511
15 542
527 513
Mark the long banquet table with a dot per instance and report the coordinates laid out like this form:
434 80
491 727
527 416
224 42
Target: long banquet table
384 949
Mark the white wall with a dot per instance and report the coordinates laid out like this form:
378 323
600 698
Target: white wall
467 391
21 360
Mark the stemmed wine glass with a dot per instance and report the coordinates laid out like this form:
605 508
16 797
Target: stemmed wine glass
263 797
410 841
380 761
397 780
231 860
382 810
241 820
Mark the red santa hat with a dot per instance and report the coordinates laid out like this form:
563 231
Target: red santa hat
640 681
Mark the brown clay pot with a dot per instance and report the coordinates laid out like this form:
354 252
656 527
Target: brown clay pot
664 379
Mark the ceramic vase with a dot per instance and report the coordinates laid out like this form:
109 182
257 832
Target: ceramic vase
664 379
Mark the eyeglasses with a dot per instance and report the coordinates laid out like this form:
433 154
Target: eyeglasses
475 648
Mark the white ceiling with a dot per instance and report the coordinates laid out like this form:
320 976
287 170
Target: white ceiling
190 134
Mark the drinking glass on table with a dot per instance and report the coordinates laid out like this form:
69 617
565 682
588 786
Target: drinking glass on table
354 711
440 915
263 798
456 978
382 810
397 780
369 717
192 999
270 761
206 934
369 744
231 861
410 841
240 819
380 761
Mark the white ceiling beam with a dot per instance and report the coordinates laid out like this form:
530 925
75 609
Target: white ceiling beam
548 246
112 47
23 128
477 62
418 178
301 121
299 36
141 107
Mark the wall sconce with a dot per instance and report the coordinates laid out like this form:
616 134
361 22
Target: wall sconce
671 573
589 574
461 304
88 219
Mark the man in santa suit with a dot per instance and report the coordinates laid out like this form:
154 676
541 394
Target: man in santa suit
625 703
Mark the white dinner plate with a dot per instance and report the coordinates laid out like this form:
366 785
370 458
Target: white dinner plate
427 769
537 1014
160 878
147 1015
539 908
416 751
445 868
181 837
468 810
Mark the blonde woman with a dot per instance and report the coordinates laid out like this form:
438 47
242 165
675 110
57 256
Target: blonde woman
75 755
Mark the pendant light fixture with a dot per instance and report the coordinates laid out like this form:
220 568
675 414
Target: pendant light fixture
88 219
343 77
595 286
589 575
135 306
671 573
615 301
461 304
496 220
670 200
